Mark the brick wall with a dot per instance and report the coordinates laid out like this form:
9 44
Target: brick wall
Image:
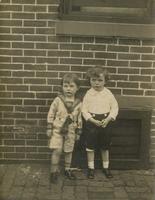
33 59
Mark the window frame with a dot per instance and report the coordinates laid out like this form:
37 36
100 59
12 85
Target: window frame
69 24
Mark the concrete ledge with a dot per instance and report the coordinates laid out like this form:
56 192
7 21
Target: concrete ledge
105 29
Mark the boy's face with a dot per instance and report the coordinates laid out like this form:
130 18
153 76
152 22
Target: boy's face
69 89
98 82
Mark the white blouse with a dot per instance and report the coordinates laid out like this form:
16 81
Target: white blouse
99 102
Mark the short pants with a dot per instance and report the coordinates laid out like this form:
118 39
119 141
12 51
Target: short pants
97 137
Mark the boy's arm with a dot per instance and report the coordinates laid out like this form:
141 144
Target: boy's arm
51 116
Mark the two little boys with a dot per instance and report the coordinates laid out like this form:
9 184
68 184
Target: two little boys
99 109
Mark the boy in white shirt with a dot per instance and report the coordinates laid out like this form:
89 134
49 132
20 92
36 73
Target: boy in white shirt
99 109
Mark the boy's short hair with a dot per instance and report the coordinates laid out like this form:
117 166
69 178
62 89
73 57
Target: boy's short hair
96 71
70 77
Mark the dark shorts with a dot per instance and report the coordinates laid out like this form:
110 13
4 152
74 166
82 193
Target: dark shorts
97 137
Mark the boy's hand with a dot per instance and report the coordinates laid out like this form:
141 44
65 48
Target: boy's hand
49 132
96 122
106 121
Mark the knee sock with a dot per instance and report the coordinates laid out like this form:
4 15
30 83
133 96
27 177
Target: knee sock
68 160
105 158
55 158
90 157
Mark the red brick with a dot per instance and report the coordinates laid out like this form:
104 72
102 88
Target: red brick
141 49
47 60
10 52
14 115
36 115
26 149
24 59
81 54
58 38
12 7
140 64
94 47
5 94
34 8
47 2
4 15
105 55
150 92
71 46
132 92
5 59
45 31
118 48
35 23
127 84
11 37
14 155
58 67
26 122
47 74
147 85
4 30
77 39
148 57
5 44
47 16
5 73
25 109
129 41
139 78
34 53
117 63
47 46
34 102
128 71
45 95
148 71
11 66
119 77
11 101
36 67
23 30
23 2
70 61
6 108
129 56
23 95
11 80
58 53
37 156
41 88
33 38
108 40
6 22
93 62
17 88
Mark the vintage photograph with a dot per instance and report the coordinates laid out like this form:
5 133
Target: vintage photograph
77 99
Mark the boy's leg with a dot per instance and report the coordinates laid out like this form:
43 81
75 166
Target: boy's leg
68 159
55 158
90 157
105 163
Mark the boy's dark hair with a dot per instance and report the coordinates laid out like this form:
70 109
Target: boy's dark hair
96 71
69 77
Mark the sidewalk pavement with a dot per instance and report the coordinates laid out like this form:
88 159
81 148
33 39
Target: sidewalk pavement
31 182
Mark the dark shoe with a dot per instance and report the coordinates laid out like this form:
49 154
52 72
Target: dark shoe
107 173
54 177
91 173
70 175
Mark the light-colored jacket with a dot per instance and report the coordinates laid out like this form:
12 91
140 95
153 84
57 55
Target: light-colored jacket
58 113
